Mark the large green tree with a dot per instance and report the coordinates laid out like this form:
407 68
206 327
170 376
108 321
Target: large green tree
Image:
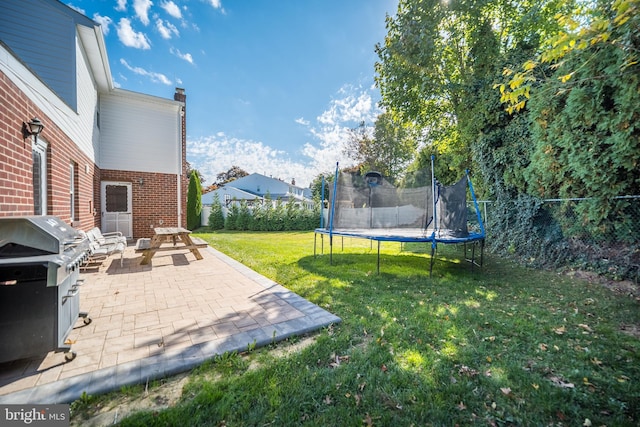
388 147
439 58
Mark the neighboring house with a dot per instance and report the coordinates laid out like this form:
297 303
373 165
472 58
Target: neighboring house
106 157
256 187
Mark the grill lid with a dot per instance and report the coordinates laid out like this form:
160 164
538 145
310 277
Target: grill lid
35 235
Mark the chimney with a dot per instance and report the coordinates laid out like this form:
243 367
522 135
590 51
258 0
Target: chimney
179 95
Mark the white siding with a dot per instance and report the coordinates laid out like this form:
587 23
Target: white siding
87 133
139 133
78 128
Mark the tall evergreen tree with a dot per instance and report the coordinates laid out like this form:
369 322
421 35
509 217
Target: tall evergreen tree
194 201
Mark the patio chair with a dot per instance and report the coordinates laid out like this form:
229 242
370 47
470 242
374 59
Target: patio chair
99 251
107 238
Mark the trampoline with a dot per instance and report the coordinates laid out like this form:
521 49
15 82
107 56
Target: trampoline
418 209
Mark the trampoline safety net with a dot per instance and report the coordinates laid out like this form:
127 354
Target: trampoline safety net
376 207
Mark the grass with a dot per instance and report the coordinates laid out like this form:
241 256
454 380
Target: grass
504 345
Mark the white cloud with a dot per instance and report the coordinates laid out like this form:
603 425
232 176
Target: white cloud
186 56
104 21
131 38
155 77
217 153
352 107
166 29
121 6
142 10
77 8
172 9
217 4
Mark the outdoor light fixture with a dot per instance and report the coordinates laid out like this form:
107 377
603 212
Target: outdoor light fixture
33 127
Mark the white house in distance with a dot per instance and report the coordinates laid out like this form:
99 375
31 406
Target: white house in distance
255 188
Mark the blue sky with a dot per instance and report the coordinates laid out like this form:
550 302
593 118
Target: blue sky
272 85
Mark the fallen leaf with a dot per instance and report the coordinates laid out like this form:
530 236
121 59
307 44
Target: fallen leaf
367 420
358 399
557 381
535 386
384 368
585 327
596 362
506 391
587 422
461 406
327 400
561 330
543 347
465 370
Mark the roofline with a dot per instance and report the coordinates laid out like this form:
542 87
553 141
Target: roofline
145 97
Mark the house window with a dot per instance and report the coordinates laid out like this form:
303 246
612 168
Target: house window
73 192
117 198
39 150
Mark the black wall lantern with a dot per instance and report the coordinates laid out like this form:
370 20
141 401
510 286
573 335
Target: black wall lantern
33 127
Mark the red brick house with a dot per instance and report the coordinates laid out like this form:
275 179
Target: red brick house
106 157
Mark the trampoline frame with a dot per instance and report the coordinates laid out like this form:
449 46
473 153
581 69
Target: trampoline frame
408 235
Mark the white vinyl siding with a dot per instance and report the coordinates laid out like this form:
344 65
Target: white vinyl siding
78 125
86 132
139 133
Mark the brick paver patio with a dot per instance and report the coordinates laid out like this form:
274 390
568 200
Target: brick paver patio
160 319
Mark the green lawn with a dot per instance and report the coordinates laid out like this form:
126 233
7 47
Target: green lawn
501 345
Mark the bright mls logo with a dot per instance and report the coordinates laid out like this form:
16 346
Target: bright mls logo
34 415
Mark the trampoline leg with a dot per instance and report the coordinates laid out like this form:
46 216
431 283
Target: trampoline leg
473 255
481 252
315 238
330 250
378 255
433 254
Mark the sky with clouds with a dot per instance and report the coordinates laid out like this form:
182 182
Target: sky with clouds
272 86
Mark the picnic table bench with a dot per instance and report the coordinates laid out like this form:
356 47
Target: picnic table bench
177 238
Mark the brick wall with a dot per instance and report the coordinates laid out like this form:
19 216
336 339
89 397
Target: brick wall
154 199
16 177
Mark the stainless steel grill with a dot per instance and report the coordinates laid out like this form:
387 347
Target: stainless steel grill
40 258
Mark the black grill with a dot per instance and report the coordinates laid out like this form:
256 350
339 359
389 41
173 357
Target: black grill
40 258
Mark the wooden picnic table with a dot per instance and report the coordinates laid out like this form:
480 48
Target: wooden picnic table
178 238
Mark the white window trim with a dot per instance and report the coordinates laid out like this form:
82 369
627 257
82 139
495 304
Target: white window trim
40 146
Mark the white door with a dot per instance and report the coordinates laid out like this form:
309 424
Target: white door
117 208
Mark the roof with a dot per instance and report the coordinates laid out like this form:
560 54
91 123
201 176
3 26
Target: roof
254 186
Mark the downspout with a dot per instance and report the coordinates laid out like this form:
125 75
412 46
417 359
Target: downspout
181 97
